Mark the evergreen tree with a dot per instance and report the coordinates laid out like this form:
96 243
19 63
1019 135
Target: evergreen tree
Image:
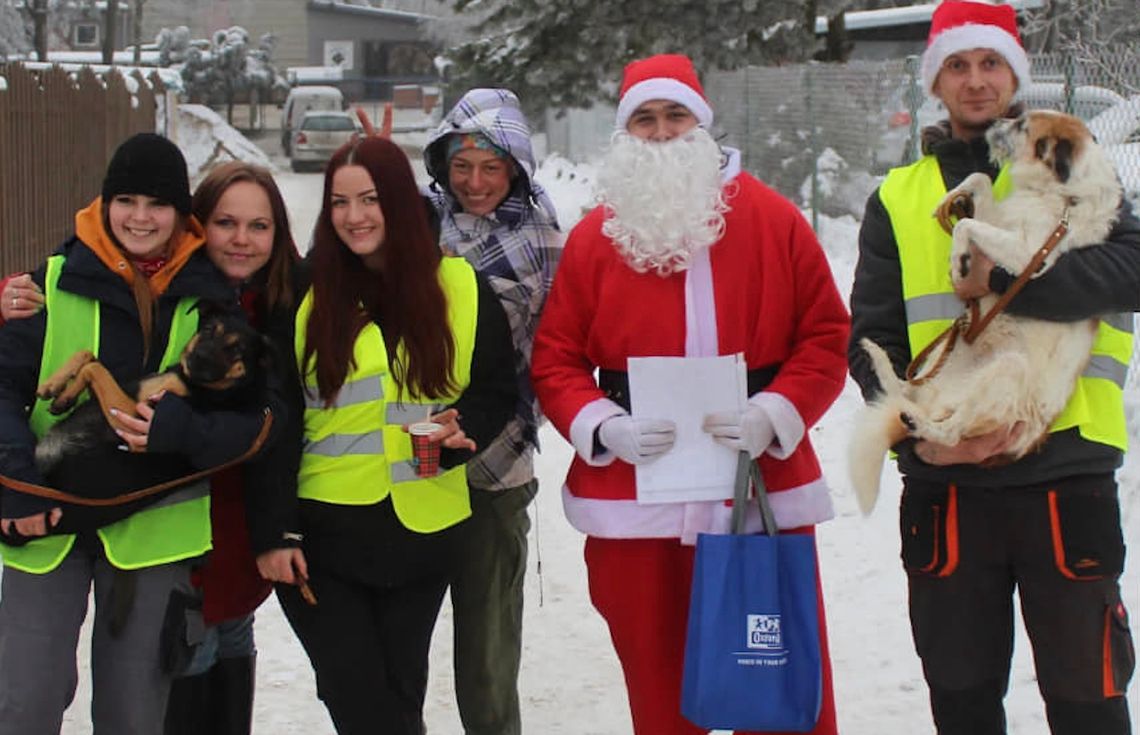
13 32
1100 35
570 53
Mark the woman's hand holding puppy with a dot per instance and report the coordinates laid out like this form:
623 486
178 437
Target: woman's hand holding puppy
134 431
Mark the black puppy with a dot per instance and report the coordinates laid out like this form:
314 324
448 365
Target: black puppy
224 366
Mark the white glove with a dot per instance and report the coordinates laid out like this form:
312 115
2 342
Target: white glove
749 430
637 441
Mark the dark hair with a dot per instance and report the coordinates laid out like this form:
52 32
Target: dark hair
283 255
403 295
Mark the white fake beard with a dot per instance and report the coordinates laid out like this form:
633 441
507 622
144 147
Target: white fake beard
663 199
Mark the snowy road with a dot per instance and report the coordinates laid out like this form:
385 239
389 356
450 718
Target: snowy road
571 684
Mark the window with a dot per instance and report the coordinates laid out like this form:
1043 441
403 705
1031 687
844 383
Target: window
327 122
86 34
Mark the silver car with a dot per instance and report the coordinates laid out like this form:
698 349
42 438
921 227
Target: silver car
319 135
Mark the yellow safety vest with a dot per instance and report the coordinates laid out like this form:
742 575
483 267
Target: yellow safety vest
910 194
356 451
176 527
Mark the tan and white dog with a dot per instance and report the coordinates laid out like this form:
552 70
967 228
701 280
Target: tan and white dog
1018 369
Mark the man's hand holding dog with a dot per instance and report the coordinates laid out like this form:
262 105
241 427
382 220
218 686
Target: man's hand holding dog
974 450
976 283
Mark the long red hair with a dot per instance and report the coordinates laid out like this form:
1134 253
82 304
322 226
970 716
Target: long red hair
403 295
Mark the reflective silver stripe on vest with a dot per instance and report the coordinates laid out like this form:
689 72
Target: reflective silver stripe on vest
408 413
193 491
339 445
933 306
1122 322
403 471
1103 366
350 394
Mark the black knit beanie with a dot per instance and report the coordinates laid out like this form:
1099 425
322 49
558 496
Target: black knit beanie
149 164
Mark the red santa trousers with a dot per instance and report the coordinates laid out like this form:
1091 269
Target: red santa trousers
641 588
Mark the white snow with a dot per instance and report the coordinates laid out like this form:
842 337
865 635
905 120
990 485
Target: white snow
206 140
571 683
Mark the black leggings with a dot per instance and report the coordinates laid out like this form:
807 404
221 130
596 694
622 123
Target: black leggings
369 648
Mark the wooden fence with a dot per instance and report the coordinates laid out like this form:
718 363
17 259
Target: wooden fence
58 130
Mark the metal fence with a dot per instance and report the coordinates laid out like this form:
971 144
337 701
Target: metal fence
57 132
821 134
869 114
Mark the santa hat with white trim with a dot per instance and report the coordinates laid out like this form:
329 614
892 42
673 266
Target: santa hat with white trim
962 25
662 77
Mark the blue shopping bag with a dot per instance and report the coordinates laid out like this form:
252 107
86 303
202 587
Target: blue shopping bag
752 651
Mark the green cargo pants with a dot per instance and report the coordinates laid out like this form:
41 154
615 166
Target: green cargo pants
487 605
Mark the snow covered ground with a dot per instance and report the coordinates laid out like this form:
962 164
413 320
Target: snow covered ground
571 683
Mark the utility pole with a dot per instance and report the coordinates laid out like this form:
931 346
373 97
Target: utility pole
110 25
39 28
137 24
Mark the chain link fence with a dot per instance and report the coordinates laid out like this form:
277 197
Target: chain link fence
822 134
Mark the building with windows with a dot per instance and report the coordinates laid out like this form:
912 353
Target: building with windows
364 50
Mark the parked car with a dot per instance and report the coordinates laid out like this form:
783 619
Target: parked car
302 100
318 137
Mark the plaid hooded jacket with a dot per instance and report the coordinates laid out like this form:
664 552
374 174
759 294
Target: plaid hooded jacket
516 248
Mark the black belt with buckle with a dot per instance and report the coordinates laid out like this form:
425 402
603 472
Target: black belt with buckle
615 383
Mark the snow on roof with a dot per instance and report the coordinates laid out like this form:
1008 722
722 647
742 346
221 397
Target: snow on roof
147 57
342 7
910 15
73 5
310 74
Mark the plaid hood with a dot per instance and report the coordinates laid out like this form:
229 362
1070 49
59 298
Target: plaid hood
516 249
496 114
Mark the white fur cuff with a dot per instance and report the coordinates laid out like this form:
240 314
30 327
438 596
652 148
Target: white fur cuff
584 425
786 420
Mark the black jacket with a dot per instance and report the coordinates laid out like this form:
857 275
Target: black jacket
484 409
198 440
1084 283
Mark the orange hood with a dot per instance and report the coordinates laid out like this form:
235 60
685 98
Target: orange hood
89 228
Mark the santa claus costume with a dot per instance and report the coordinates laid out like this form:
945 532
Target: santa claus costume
763 289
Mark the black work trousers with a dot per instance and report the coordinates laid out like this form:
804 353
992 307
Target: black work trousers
967 549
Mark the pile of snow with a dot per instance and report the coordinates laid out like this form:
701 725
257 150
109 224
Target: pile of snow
570 186
842 190
207 140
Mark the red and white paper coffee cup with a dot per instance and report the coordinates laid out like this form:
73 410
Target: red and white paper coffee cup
425 451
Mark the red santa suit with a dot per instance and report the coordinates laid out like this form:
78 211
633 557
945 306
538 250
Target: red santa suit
765 290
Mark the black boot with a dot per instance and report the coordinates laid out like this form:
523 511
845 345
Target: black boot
232 683
189 705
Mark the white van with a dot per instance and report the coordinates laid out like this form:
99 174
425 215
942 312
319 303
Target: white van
302 100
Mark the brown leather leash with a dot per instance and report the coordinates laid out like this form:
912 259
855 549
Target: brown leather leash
66 497
970 324
977 325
